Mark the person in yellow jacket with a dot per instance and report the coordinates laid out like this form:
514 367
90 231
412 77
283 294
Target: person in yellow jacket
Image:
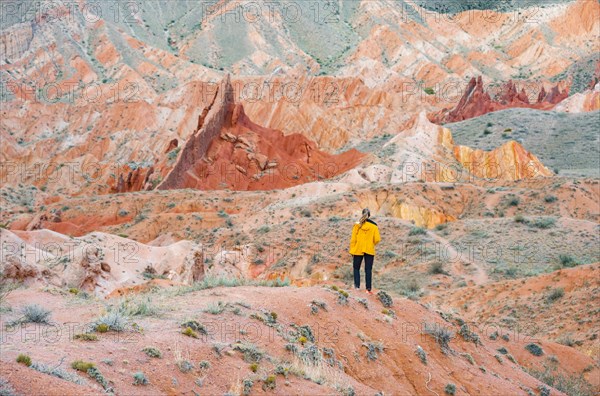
365 235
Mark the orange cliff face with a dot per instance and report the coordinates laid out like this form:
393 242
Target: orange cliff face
508 162
230 151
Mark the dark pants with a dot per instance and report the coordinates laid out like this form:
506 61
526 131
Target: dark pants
357 261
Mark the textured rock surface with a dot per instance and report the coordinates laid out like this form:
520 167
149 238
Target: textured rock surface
508 162
476 101
228 150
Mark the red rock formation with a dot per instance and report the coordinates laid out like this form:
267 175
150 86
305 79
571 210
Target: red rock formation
476 101
228 150
135 180
172 145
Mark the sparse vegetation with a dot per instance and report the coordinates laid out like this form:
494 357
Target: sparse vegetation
571 385
542 222
442 335
86 337
373 349
534 349
437 268
113 321
152 352
417 231
24 359
217 308
555 294
80 365
385 299
270 382
450 389
189 332
421 354
139 378
567 261
204 364
195 326
33 313
56 371
252 354
185 366
469 335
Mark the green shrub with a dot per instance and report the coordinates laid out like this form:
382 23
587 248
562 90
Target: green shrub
270 382
152 352
534 349
469 358
24 359
254 367
250 351
550 198
217 308
204 364
450 389
385 299
185 366
248 384
35 313
97 375
514 201
264 229
441 335
139 378
141 306
437 268
555 294
114 321
58 372
543 222
86 337
80 365
469 335
573 385
417 231
189 332
373 349
421 354
519 218
429 91
195 325
568 261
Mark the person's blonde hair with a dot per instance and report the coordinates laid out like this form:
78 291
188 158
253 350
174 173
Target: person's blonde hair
366 213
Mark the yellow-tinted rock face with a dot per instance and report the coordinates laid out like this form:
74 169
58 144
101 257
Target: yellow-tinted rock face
508 162
421 216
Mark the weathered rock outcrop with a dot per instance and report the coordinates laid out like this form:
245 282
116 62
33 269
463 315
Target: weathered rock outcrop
89 262
581 102
228 150
135 180
476 101
508 162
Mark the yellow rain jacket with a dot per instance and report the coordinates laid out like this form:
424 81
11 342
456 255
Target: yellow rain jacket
364 238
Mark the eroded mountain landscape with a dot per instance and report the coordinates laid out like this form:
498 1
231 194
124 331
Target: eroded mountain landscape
179 181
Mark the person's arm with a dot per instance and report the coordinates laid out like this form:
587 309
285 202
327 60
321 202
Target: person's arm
376 236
